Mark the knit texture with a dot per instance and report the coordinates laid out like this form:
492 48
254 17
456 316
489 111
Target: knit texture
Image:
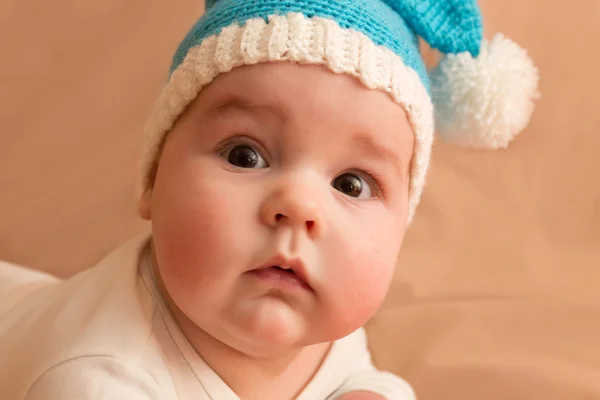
450 26
374 18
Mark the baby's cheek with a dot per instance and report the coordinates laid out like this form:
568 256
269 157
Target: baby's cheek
356 295
359 277
190 238
366 287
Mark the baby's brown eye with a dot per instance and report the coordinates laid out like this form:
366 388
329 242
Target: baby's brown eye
352 185
246 157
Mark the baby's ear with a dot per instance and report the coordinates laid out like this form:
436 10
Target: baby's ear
145 204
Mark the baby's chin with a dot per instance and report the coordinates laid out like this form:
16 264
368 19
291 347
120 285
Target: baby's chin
269 327
266 326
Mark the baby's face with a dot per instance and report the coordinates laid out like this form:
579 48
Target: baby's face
280 165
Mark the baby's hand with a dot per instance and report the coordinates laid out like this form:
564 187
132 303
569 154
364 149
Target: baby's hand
360 396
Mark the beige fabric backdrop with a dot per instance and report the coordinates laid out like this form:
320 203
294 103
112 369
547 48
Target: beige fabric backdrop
497 295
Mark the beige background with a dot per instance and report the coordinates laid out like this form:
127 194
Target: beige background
498 290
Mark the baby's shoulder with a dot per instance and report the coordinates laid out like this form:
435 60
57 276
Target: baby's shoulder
95 377
104 312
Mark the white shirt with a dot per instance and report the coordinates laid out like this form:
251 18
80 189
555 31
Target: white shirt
106 334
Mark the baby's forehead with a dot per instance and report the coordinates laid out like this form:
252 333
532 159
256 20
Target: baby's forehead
289 87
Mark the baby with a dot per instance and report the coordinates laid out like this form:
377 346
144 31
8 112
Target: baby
286 156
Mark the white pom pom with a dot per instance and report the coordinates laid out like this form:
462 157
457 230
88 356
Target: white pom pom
484 102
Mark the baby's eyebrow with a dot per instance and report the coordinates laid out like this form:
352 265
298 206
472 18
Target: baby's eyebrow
371 149
239 104
230 103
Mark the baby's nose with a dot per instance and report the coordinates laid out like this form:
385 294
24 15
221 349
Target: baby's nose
297 203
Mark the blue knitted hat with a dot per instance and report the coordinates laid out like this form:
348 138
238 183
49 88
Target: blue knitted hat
482 92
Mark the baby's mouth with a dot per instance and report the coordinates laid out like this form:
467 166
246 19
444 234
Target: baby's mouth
283 273
288 270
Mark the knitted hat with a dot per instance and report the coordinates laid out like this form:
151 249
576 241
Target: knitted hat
482 92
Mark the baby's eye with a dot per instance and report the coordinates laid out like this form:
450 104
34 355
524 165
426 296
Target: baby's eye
244 156
352 185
